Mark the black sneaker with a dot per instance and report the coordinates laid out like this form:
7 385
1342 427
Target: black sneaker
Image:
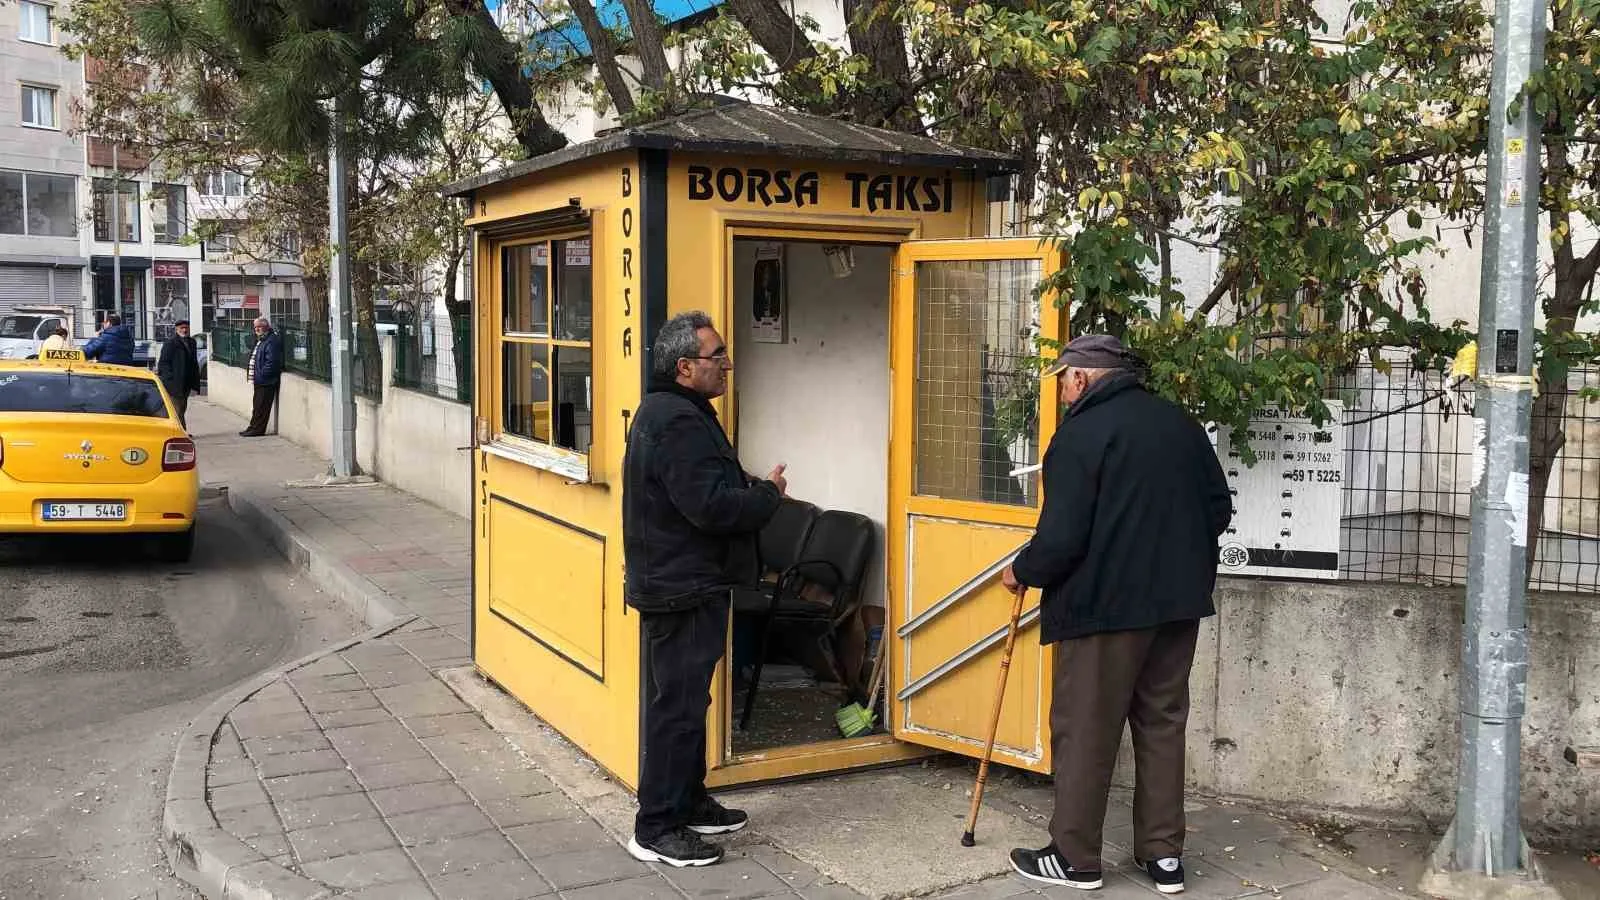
678 848
1166 872
714 818
1050 867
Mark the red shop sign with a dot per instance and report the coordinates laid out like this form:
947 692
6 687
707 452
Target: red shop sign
172 270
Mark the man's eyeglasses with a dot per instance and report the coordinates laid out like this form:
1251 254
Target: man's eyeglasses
721 356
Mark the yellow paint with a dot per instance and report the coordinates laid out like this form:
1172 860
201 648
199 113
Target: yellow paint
937 544
550 623
90 458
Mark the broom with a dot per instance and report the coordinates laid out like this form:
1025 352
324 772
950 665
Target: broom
853 720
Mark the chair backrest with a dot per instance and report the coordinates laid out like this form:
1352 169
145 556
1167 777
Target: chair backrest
781 541
844 540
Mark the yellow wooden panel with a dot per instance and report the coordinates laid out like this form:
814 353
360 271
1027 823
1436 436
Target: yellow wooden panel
943 555
538 567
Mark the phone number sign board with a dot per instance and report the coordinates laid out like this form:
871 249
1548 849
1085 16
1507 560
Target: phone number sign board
1286 507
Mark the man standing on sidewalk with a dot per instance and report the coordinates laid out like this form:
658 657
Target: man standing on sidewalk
689 521
1126 555
179 369
113 345
264 371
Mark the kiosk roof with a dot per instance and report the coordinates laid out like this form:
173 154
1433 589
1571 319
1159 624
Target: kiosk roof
751 129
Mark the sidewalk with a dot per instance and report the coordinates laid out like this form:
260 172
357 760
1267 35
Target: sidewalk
363 773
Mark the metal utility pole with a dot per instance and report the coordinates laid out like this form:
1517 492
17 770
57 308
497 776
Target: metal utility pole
340 303
1486 837
116 232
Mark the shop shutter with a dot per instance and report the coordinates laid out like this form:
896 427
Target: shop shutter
23 285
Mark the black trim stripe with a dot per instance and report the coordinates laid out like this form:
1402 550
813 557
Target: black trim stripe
1293 559
653 255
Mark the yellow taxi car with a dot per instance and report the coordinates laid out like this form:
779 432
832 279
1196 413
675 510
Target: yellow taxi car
89 448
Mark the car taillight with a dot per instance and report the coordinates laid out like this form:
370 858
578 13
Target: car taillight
178 455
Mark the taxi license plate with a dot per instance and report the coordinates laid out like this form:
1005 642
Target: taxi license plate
68 512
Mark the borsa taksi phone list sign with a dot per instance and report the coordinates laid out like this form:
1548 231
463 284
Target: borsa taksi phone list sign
1286 507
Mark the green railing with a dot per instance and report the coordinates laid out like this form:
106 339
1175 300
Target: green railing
307 351
231 343
436 364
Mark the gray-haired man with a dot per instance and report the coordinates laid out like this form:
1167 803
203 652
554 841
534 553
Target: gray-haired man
689 521
264 371
1126 555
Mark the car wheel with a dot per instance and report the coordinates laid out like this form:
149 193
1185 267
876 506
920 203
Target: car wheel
176 548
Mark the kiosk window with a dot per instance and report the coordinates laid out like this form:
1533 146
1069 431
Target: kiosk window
546 323
977 402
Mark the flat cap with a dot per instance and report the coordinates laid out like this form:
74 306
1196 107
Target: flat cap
1092 351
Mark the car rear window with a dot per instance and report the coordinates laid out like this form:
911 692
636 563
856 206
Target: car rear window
18 326
68 392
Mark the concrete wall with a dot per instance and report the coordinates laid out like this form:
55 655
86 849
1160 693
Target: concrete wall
411 441
1342 700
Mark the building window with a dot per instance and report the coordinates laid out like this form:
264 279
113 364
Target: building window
223 240
37 23
546 328
222 184
127 210
39 106
171 212
39 205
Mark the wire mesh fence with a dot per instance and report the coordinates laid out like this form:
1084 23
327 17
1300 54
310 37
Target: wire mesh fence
306 351
1409 473
431 360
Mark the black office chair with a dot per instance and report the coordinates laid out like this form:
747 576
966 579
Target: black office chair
834 558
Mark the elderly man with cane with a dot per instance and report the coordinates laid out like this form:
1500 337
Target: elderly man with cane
1125 554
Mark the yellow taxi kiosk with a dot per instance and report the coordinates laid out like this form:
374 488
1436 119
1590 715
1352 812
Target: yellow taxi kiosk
879 344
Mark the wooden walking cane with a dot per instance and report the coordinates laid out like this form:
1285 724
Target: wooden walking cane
967 838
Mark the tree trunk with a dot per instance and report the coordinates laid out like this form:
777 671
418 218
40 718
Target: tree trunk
500 63
605 56
1546 437
785 43
460 314
876 34
648 43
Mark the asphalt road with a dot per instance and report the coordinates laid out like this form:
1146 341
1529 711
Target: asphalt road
105 655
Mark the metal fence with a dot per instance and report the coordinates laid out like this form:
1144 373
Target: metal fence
306 351
430 360
1408 482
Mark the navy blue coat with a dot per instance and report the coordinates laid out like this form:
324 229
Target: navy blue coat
112 345
269 362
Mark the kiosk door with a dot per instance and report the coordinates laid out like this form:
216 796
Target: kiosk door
967 416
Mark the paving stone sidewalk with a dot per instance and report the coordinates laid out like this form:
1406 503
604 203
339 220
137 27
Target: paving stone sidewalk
365 775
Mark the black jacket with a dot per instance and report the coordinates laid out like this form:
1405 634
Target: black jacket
1134 501
689 513
179 366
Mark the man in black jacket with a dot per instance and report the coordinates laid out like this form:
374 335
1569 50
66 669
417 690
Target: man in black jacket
1126 555
690 516
179 369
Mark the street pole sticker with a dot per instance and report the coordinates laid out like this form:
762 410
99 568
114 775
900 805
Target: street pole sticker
1286 508
1516 160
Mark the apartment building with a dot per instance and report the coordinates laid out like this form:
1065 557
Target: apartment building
42 256
91 223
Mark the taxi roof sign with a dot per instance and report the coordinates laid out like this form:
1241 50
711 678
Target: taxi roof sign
62 355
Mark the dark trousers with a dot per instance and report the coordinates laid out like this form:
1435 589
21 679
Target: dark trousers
180 405
1136 677
261 408
681 654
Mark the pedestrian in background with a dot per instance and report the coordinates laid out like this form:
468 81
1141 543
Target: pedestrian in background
1126 556
264 371
179 369
690 516
114 343
58 340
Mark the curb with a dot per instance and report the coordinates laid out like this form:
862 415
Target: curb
199 851
361 597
